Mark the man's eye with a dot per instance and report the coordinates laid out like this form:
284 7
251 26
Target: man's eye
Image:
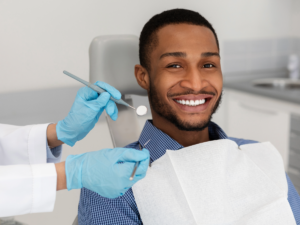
174 66
208 65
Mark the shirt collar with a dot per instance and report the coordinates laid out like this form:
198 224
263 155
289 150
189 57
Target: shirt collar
160 142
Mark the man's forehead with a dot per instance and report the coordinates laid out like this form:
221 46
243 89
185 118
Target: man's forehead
184 54
178 37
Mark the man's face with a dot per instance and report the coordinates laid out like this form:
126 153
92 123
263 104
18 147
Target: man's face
185 77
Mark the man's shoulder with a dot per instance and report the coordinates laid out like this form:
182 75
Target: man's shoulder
241 141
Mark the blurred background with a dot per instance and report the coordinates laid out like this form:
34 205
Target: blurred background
39 39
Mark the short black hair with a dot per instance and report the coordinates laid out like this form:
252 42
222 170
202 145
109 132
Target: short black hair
148 39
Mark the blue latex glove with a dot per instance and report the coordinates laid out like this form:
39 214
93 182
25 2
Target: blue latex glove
85 113
107 171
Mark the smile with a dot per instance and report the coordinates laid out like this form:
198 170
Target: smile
191 102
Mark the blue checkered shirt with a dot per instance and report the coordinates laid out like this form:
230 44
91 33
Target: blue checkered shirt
94 209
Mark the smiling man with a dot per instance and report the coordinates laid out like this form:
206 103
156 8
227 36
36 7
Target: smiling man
180 68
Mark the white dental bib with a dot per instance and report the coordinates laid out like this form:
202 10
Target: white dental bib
216 183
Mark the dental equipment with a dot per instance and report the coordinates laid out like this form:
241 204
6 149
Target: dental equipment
140 111
97 89
138 163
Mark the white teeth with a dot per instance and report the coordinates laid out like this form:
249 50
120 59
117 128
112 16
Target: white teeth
191 102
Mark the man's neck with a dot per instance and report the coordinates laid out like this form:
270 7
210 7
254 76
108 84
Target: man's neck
185 138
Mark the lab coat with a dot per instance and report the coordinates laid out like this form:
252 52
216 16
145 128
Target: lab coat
27 181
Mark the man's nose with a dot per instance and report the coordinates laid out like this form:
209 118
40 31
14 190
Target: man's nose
193 80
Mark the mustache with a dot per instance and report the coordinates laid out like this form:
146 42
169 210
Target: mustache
189 92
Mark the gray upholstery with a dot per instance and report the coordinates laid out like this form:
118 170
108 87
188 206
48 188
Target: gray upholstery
112 60
75 222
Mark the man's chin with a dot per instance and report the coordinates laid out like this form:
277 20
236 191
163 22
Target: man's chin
190 125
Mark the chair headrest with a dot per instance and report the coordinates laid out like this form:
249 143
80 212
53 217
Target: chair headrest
112 60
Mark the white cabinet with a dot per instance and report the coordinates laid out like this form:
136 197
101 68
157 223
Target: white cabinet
257 120
253 117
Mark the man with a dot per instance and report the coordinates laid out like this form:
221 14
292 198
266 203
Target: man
180 68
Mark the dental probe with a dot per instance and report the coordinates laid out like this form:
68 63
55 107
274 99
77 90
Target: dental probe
96 88
137 163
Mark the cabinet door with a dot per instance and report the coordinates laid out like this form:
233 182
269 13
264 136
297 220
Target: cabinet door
256 120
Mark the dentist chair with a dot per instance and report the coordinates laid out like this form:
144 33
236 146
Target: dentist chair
112 60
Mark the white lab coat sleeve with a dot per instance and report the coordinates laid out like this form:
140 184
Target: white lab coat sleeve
27 182
25 145
27 189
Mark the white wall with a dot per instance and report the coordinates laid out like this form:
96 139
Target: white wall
39 39
296 18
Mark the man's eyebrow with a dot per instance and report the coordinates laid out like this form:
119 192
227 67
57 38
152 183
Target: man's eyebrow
209 54
174 54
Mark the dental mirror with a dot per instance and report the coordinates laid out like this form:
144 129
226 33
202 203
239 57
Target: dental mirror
141 110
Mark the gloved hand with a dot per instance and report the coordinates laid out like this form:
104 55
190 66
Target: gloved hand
107 171
85 113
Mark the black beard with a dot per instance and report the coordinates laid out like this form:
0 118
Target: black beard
165 111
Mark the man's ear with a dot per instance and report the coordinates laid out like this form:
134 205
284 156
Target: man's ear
142 76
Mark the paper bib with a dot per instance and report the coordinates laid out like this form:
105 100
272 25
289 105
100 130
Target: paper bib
216 183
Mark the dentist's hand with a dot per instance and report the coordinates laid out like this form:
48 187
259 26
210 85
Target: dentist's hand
85 113
107 171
